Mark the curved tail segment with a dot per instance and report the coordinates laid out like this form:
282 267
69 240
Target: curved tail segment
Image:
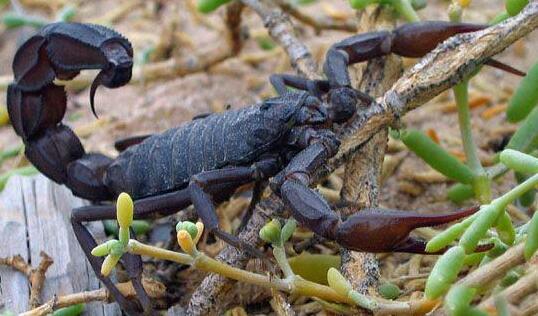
36 105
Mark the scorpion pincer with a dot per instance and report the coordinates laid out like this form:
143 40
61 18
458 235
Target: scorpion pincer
203 162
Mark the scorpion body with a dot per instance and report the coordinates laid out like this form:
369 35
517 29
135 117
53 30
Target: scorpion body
168 161
284 139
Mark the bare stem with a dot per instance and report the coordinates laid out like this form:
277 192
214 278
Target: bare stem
514 293
138 248
36 276
495 269
318 24
281 30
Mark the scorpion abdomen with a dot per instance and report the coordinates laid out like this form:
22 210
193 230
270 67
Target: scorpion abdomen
167 161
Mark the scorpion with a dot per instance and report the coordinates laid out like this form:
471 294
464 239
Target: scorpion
282 139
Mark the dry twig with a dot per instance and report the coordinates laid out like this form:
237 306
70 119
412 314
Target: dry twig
36 276
319 24
233 23
154 289
496 269
528 284
281 30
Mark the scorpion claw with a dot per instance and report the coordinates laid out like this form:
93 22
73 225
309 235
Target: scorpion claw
504 67
413 245
375 230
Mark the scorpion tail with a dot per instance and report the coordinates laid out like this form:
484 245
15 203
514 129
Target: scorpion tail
36 105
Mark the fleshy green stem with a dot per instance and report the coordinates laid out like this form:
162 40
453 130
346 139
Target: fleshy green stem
481 183
201 261
405 8
293 285
462 101
138 248
280 256
205 263
516 192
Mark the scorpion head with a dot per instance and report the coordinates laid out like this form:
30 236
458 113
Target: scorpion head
312 112
297 108
344 101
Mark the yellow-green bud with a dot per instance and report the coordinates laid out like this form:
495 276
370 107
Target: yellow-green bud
184 239
288 229
271 232
109 264
4 117
124 208
190 227
102 249
389 291
455 12
338 283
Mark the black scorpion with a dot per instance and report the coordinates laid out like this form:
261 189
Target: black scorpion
285 138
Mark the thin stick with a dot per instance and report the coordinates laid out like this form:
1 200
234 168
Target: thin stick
154 289
496 269
36 276
282 31
318 24
233 24
528 284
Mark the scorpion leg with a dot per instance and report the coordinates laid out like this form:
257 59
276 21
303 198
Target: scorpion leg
123 143
134 267
257 192
200 188
260 183
281 82
291 184
381 231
